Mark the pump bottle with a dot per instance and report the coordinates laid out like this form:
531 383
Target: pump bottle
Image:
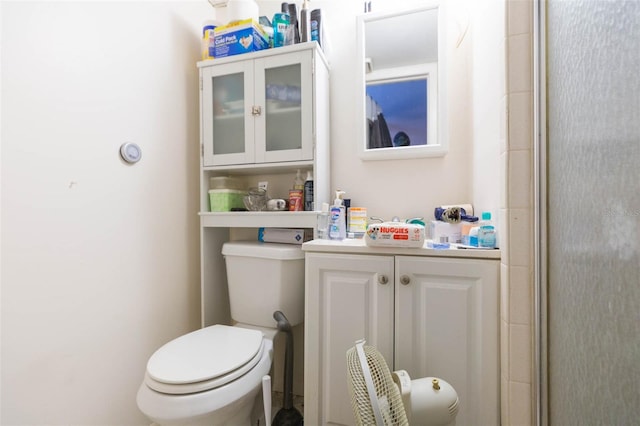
337 222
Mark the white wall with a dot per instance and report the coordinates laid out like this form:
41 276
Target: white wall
487 26
406 188
99 259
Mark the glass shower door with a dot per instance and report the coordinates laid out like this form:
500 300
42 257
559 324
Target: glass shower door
593 212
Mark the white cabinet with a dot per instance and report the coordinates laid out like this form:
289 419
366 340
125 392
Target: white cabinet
264 107
431 316
263 115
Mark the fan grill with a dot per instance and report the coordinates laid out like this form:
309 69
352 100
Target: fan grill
387 393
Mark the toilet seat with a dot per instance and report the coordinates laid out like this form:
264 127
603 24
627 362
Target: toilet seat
204 359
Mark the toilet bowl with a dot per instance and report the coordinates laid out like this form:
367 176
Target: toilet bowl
212 376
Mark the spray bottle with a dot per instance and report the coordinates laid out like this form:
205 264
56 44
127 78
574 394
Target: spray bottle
337 223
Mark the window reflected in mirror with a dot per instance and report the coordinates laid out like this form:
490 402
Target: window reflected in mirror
396 113
401 79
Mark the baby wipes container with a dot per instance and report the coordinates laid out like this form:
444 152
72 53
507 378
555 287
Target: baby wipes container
394 234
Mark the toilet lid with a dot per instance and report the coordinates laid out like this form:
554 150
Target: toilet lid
206 357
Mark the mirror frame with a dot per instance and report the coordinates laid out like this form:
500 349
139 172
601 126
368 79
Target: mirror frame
437 122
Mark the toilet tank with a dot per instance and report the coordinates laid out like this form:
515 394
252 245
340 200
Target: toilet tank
263 278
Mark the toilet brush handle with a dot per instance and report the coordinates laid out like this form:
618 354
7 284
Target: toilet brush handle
285 327
282 322
266 398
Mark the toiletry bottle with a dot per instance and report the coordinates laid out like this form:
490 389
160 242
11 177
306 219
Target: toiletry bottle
316 26
280 24
323 222
486 232
298 183
346 203
305 22
337 225
308 192
208 39
296 195
293 22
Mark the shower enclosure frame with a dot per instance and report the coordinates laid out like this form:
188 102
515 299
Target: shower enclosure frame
540 376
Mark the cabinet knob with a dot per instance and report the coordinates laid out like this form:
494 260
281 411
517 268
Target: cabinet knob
383 279
405 279
256 110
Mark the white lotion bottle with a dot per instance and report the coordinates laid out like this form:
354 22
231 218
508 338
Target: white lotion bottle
337 223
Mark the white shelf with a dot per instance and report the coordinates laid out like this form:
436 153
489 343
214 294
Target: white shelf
261 168
267 219
266 53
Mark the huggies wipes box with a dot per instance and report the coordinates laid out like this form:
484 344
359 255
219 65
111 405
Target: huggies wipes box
394 234
239 37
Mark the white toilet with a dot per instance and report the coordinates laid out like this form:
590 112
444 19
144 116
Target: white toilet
212 376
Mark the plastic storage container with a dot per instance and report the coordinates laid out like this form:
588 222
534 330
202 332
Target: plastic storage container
225 193
225 182
224 200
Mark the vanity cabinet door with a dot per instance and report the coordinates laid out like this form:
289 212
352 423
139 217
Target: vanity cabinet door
446 325
348 297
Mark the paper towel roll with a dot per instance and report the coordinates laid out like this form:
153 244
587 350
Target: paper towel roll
238 10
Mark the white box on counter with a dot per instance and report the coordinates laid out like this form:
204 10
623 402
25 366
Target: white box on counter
445 232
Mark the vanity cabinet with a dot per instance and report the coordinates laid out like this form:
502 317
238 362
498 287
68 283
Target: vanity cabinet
431 316
263 107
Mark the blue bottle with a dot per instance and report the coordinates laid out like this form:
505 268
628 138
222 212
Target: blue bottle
486 232
280 24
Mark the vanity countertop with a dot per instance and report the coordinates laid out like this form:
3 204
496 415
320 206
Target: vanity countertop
358 246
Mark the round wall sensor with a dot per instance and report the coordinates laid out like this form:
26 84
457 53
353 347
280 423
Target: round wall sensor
130 152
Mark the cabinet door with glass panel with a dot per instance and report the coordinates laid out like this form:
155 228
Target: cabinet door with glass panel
258 110
227 123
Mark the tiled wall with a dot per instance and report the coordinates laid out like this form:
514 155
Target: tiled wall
516 214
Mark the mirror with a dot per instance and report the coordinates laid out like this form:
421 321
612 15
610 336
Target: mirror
401 81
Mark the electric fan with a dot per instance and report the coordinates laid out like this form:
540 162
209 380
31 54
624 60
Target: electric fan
382 398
